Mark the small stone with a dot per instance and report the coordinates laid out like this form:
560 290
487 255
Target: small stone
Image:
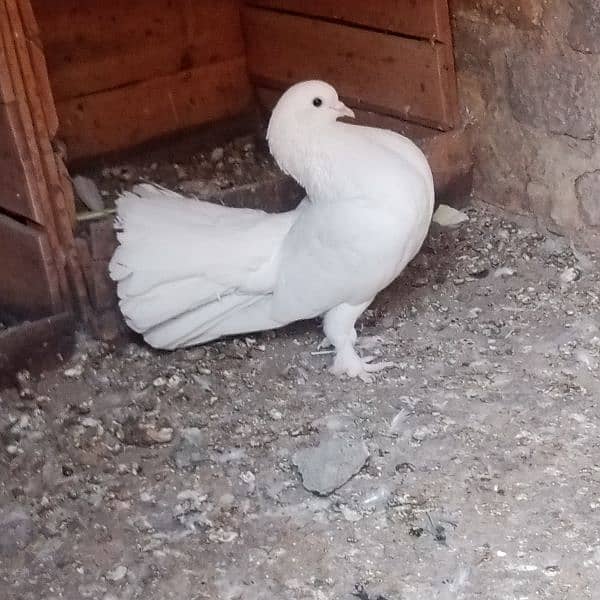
191 448
422 433
74 372
217 154
180 171
275 415
117 574
570 274
174 381
90 422
446 216
222 536
504 272
586 359
159 382
12 449
349 514
160 436
189 501
331 464
143 434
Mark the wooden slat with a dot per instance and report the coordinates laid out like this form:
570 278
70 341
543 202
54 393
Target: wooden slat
267 98
36 346
127 116
450 154
94 46
60 202
16 178
38 63
427 19
374 71
28 280
17 183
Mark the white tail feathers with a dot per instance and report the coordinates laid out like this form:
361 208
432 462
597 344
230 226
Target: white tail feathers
189 271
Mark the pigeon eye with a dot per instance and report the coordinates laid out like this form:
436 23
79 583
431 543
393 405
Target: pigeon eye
317 102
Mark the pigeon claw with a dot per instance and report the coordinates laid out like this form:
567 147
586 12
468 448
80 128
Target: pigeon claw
351 365
323 344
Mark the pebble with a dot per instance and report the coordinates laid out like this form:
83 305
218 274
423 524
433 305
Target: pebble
117 574
160 436
328 466
446 216
217 154
275 415
570 274
159 382
191 448
74 372
504 272
422 433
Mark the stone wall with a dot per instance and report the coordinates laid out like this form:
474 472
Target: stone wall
529 83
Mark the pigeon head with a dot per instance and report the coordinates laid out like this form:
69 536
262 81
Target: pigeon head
298 120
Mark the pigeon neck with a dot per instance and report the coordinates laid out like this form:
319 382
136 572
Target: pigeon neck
301 154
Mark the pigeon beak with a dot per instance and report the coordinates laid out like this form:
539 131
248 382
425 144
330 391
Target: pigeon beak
344 111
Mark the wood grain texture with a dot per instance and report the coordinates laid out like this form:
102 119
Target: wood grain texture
17 182
450 154
28 280
427 19
36 346
52 199
133 114
371 70
95 46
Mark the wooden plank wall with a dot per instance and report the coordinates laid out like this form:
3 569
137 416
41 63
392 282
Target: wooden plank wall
28 280
391 57
123 72
32 277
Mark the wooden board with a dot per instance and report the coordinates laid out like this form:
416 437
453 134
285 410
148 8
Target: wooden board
426 19
17 183
403 77
36 346
28 280
450 154
94 46
133 114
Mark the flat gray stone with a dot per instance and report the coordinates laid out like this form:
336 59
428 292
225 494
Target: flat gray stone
331 464
190 450
446 216
16 530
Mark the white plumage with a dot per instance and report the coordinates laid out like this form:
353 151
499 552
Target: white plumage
188 272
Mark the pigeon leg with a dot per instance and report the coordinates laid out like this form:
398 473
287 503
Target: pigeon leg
338 324
324 343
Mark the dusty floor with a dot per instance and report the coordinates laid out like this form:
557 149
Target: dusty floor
135 474
185 165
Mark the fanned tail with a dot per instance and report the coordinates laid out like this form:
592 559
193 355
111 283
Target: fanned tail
189 272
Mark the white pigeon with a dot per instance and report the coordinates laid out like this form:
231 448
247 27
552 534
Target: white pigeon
189 272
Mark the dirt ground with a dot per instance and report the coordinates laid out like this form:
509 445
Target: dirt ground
134 474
